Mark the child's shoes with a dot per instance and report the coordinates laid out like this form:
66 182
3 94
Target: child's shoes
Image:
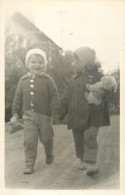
28 170
49 159
83 165
92 170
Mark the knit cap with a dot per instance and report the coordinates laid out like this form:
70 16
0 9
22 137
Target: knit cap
36 51
85 56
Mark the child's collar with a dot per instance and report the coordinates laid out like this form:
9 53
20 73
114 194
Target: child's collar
31 74
81 73
43 73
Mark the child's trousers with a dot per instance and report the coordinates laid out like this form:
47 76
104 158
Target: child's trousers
86 144
37 125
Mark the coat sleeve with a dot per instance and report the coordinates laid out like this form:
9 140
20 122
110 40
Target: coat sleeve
54 98
18 100
65 103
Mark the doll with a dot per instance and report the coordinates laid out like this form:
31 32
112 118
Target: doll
98 90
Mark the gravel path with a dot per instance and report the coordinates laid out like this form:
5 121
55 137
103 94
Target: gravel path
63 173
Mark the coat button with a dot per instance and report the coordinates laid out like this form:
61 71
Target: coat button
32 86
31 81
31 104
31 93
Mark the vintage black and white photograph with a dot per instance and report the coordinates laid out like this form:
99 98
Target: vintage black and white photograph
62 62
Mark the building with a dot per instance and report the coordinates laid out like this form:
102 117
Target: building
34 36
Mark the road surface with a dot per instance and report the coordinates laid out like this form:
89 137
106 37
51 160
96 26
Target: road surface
63 173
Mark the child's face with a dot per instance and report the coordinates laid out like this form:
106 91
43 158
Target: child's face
90 68
36 64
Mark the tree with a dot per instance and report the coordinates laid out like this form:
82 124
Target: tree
60 69
115 98
14 67
16 46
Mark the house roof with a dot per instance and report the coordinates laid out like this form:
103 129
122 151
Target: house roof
29 26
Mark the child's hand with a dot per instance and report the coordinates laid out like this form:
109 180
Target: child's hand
87 86
86 95
14 120
15 124
56 119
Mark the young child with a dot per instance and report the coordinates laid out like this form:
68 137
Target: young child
37 98
84 119
98 90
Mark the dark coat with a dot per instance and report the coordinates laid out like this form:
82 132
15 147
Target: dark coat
80 114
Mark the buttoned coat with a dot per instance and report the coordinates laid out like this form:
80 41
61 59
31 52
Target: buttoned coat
36 93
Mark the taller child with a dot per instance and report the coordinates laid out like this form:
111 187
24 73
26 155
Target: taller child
37 99
84 119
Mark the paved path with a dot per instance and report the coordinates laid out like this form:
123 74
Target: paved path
63 173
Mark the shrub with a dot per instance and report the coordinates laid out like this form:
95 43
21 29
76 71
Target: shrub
115 97
16 46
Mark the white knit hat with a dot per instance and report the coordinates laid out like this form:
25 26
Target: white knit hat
36 51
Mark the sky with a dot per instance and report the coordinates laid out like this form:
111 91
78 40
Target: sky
97 24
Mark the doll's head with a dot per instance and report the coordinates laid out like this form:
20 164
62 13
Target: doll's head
109 83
